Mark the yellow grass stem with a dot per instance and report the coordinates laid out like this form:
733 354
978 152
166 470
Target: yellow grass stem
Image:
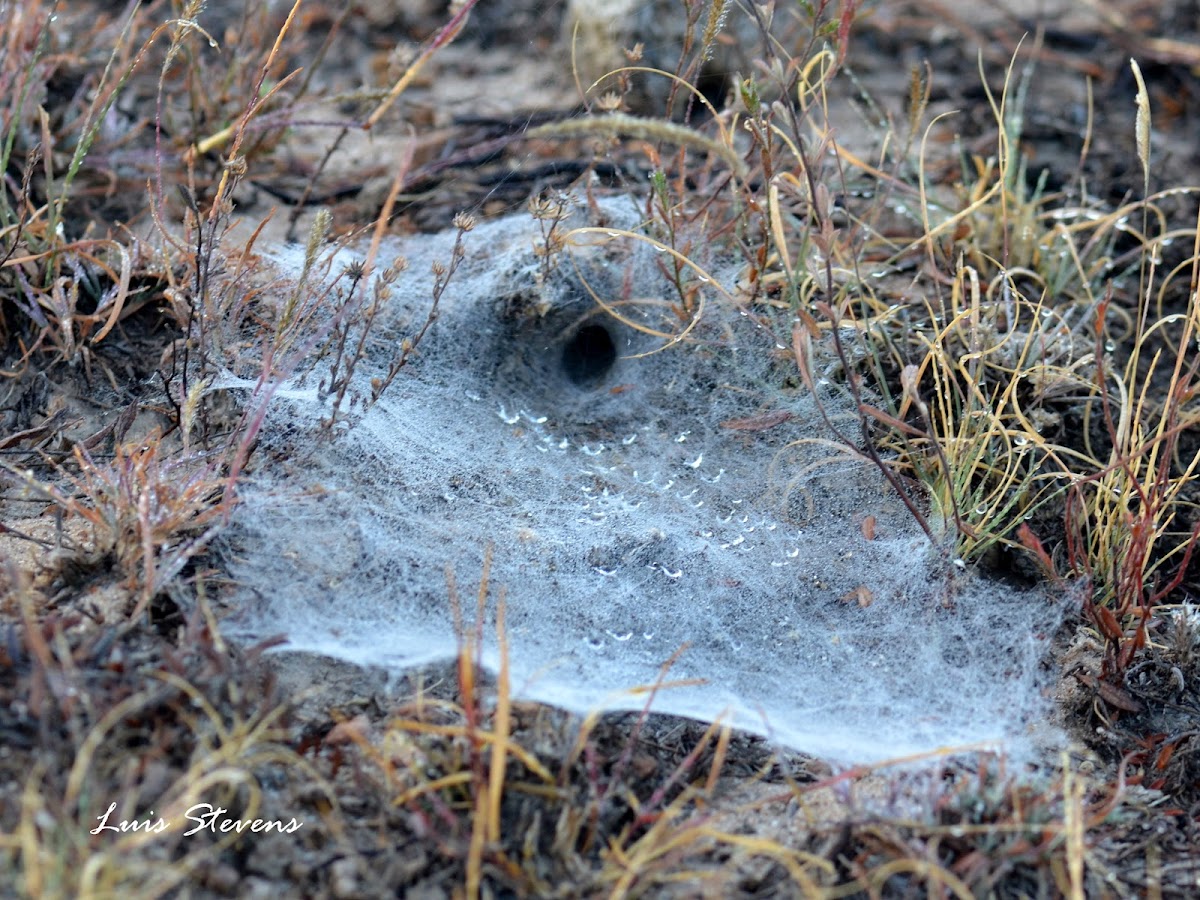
625 126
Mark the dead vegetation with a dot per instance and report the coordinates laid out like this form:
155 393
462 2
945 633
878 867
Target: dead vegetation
1031 332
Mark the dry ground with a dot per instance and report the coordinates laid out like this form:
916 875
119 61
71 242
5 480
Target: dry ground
113 691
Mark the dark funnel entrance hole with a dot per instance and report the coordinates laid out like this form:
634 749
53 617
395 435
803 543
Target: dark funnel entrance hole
588 355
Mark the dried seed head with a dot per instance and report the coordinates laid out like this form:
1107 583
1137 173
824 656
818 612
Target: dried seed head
610 102
464 221
547 207
392 272
317 235
1142 123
